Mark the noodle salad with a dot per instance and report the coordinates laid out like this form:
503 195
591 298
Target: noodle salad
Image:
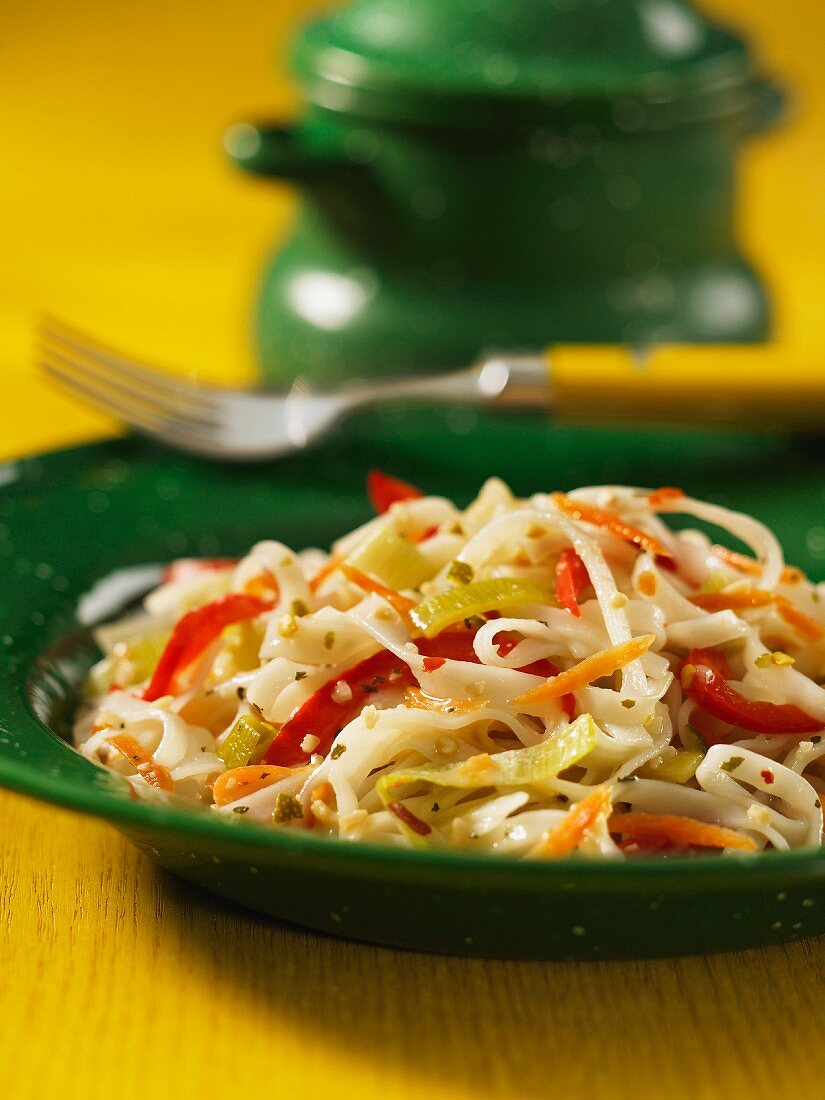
530 677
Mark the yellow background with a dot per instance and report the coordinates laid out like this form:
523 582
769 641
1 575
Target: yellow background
118 210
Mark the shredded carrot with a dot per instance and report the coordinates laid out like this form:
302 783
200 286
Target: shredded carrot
415 697
402 604
758 597
807 626
603 663
156 775
324 572
681 831
239 782
576 509
263 586
324 792
663 495
791 574
577 823
646 583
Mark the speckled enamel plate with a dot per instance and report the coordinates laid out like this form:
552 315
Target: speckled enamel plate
110 512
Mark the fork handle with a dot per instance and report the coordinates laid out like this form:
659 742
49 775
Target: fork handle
722 384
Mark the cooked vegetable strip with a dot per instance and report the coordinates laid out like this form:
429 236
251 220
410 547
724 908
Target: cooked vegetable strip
240 782
578 510
680 832
603 663
571 580
709 689
243 739
426 694
402 604
144 764
323 717
194 632
391 558
757 597
578 822
436 613
385 490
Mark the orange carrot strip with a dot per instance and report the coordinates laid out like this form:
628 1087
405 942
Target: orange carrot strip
324 572
415 697
263 587
156 775
576 825
663 495
239 782
576 509
791 574
402 604
603 663
758 597
733 601
681 831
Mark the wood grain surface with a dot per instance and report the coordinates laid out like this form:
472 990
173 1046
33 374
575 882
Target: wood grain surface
118 981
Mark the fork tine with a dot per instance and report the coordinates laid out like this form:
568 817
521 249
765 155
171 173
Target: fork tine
64 336
166 427
128 391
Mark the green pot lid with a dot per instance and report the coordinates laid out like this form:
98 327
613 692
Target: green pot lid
547 50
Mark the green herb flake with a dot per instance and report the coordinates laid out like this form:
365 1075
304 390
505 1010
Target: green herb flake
338 750
329 639
300 675
240 810
475 622
460 572
299 608
732 764
628 704
818 804
434 808
287 808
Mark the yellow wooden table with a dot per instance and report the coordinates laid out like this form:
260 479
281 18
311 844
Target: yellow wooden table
116 980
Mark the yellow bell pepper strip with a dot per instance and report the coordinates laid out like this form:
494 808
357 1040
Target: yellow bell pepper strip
577 823
705 683
239 782
677 832
603 663
385 490
393 559
193 633
436 613
156 775
571 580
586 513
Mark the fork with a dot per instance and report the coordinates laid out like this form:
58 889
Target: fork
242 425
705 384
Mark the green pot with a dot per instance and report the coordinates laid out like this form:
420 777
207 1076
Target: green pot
517 173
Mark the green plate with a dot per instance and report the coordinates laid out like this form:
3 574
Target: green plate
109 510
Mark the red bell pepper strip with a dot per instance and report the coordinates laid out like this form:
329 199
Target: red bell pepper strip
705 684
324 718
384 490
184 568
571 580
193 633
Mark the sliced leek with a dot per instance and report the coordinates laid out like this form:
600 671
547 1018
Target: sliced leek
242 740
678 768
393 559
436 613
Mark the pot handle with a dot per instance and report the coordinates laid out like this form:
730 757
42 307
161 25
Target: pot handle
274 150
767 108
